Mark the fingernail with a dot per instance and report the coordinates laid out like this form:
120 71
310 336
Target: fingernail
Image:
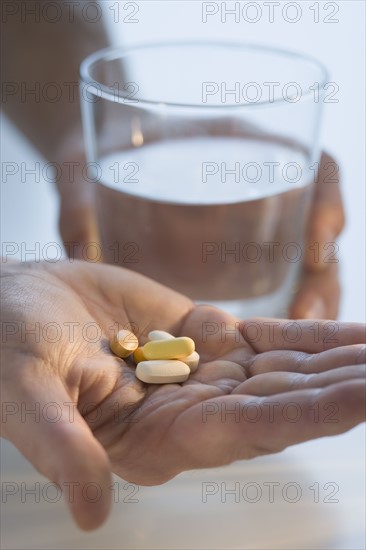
316 310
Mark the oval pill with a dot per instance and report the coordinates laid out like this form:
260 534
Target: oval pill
192 361
124 343
176 348
159 335
162 372
138 355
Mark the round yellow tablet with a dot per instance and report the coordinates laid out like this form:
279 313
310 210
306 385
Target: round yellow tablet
124 343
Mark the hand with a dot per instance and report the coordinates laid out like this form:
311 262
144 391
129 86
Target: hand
78 222
319 293
146 433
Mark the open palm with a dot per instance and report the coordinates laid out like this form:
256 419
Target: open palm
261 385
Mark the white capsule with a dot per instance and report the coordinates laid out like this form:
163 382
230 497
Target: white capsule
192 361
162 372
159 335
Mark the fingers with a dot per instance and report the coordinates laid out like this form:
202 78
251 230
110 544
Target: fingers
47 429
238 427
309 336
327 215
318 297
307 414
281 382
217 334
78 220
79 228
305 363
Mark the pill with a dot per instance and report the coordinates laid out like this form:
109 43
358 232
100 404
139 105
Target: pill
192 361
138 355
124 343
162 372
176 348
159 335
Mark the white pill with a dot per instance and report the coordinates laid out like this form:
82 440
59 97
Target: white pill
162 372
159 335
192 361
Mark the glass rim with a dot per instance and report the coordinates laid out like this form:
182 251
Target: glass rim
119 52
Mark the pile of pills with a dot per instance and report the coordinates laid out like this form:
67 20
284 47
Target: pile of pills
164 359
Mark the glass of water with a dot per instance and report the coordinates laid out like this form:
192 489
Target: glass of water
203 158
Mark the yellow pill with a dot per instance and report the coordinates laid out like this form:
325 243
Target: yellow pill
138 355
162 372
192 361
124 343
159 335
177 348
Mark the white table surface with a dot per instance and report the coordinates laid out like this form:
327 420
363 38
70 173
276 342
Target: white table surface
173 515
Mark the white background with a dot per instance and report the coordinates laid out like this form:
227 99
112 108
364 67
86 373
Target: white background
173 516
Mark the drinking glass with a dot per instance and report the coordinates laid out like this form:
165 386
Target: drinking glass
203 158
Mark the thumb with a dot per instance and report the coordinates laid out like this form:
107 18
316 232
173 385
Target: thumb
78 221
43 423
79 230
327 216
318 296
